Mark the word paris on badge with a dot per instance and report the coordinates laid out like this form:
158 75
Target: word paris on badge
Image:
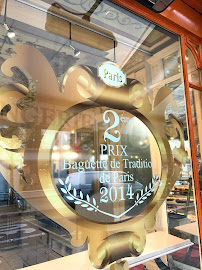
111 75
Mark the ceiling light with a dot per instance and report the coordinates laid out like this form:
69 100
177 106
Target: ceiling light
11 34
72 155
55 156
76 52
66 147
6 26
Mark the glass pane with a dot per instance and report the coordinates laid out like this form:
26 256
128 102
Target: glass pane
171 65
196 100
193 71
94 148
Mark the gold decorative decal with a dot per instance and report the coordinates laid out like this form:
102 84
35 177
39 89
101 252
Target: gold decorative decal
8 157
111 75
116 211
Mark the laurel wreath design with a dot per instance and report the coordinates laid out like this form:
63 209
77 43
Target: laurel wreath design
72 197
91 204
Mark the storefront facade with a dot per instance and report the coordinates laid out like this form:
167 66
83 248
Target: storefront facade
100 136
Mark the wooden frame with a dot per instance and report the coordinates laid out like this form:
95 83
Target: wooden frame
188 35
191 132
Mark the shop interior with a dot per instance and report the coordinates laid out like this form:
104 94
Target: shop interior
149 55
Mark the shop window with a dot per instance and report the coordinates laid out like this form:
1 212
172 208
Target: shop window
94 145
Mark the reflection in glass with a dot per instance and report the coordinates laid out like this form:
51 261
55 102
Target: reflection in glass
196 101
194 72
149 56
171 65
